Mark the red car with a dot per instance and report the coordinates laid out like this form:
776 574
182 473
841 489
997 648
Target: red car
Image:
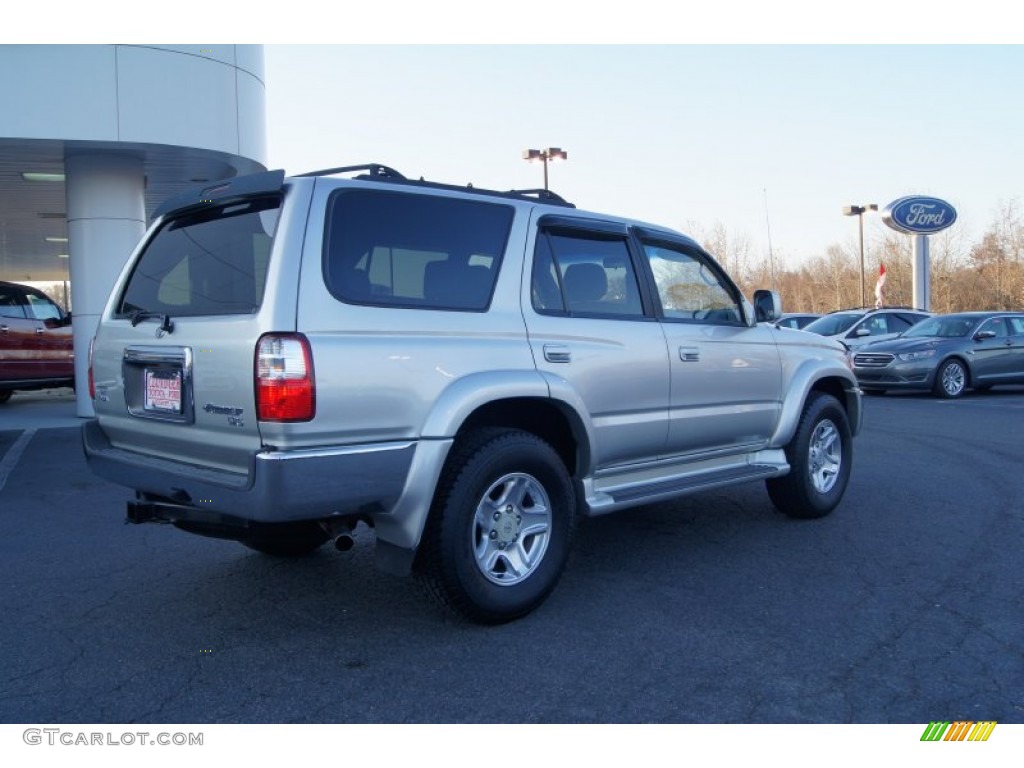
35 341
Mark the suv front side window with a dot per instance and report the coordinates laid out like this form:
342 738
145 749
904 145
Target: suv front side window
690 288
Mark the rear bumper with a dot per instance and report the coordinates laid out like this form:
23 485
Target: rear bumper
281 486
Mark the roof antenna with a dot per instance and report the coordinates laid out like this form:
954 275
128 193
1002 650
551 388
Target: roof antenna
768 224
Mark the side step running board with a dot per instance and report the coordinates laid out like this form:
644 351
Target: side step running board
611 499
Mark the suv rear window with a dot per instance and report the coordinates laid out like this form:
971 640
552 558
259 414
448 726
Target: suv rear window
209 263
419 251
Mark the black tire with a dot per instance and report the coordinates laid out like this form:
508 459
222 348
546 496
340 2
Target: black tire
951 379
475 557
5 395
820 456
285 539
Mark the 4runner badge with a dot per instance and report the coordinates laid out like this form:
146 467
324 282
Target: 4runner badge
234 414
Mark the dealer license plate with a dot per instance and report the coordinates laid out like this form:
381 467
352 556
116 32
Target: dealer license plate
163 391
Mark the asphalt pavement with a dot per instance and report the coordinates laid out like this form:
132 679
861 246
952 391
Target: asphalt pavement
903 606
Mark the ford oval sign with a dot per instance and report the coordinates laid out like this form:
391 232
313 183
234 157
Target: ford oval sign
919 215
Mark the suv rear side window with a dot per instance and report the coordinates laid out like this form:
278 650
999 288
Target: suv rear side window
414 251
588 273
209 263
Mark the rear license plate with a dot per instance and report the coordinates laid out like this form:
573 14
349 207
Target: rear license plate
163 391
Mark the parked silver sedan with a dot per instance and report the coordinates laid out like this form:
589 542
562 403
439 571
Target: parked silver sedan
947 354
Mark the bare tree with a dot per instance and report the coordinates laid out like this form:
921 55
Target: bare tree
987 274
999 259
731 250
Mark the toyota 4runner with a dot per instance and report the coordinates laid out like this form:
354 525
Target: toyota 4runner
466 371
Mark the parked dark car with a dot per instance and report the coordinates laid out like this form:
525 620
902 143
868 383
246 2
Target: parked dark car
947 354
35 341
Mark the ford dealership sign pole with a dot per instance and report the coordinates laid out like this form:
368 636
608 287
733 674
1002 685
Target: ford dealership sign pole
920 216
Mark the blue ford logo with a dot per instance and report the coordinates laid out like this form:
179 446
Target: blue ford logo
919 215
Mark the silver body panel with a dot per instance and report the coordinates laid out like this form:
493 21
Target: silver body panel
726 387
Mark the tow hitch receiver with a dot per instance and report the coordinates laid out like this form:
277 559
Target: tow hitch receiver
143 512
201 521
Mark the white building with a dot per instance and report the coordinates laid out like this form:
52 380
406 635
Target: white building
93 137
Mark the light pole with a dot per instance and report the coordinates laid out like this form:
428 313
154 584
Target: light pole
544 155
859 211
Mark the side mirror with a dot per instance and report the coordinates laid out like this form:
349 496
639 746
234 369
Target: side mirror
982 335
767 306
862 332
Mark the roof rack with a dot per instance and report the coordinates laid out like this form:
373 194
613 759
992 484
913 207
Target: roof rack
373 171
545 195
378 172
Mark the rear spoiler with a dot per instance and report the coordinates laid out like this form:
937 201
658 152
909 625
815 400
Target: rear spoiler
223 192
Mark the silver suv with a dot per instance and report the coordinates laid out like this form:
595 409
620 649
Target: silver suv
466 371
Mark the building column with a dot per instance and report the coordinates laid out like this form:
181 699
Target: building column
106 219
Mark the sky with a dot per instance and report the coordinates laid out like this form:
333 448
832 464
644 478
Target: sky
762 118
770 141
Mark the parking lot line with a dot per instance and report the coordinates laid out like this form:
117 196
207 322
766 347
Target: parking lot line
10 459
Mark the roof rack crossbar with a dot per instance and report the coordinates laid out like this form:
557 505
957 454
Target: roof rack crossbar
383 173
373 170
541 194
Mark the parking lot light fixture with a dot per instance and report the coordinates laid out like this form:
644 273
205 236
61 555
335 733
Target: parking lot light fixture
859 211
545 156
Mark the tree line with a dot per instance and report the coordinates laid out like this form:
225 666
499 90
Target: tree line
987 274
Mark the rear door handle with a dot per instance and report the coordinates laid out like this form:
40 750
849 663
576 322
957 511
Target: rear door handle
689 354
557 353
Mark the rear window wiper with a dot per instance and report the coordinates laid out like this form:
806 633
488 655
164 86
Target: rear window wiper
138 315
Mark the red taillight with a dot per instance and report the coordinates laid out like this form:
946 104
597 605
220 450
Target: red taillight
92 382
284 378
